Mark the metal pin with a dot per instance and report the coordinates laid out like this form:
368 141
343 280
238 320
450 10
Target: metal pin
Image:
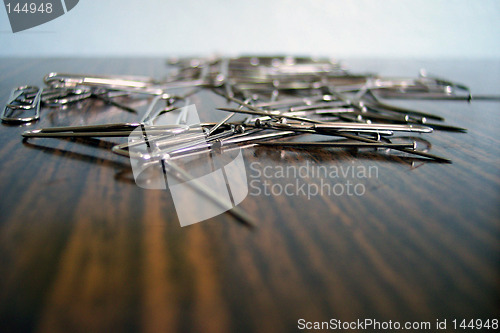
323 144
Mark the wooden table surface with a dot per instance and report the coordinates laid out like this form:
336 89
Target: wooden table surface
84 249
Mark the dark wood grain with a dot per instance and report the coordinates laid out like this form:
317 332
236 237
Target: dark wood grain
82 248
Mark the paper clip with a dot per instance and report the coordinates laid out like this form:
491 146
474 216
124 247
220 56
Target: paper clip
23 101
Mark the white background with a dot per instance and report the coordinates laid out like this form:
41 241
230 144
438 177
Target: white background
359 28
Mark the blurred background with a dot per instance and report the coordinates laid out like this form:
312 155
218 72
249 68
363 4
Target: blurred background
359 28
